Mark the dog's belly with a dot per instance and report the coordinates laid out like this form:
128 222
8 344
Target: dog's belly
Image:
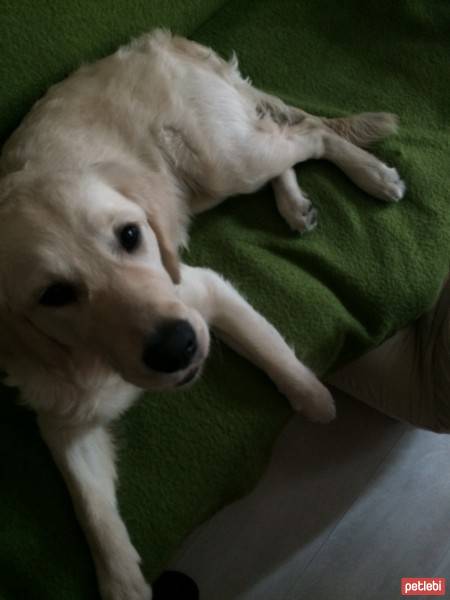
209 144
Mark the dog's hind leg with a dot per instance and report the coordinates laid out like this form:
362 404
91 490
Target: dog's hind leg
293 135
342 141
364 169
293 204
276 151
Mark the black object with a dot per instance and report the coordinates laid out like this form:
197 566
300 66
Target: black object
129 237
173 585
58 294
171 347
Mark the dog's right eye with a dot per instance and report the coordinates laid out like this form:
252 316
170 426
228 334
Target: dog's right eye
58 294
129 237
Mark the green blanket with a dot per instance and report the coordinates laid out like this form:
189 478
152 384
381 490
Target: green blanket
367 269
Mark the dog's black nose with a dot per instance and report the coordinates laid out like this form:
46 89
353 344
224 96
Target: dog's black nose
171 347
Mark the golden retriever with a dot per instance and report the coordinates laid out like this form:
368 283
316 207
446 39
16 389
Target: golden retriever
97 188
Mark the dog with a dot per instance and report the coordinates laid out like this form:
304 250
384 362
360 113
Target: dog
98 185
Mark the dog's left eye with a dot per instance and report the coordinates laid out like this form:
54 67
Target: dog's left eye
59 294
129 237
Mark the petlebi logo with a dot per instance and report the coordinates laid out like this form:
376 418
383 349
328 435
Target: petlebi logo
423 586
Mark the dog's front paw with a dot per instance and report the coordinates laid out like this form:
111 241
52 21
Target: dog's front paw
319 405
124 584
312 399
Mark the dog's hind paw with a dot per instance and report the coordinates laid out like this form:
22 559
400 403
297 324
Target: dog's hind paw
301 215
381 181
301 220
390 186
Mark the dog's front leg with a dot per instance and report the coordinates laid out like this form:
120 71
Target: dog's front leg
85 456
250 334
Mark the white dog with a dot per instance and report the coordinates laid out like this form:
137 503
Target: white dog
98 185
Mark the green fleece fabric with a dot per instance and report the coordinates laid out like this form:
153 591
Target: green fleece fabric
366 270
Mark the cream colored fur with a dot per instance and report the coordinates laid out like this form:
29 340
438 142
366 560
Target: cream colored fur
157 132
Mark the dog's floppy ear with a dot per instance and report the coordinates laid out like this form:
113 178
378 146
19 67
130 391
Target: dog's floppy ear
168 250
48 352
10 183
160 204
21 341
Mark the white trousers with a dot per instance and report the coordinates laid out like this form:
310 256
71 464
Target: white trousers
408 376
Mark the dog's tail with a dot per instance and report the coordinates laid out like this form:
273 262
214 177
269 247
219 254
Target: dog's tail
364 129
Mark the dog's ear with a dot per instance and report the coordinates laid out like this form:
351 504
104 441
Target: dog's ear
150 191
8 185
21 341
168 250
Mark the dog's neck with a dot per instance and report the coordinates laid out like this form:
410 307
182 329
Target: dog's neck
88 392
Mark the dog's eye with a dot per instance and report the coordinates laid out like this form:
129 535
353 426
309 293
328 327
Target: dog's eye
58 294
129 237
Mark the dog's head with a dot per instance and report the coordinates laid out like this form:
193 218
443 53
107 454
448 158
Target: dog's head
89 267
